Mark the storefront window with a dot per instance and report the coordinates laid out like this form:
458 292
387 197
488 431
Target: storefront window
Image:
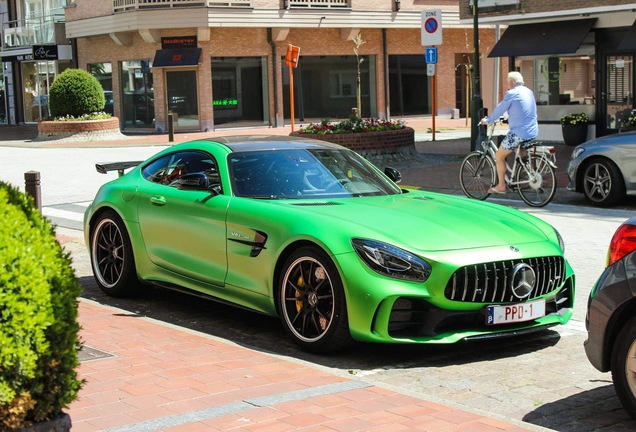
4 117
138 104
325 87
183 101
103 72
239 90
562 84
409 85
37 78
619 89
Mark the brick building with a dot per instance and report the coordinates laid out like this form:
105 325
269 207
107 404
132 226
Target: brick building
220 63
577 56
33 50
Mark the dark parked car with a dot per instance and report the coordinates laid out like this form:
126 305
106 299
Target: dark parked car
604 169
109 102
611 316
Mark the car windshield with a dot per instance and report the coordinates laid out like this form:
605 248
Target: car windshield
306 174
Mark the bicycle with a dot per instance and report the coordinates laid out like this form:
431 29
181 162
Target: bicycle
531 174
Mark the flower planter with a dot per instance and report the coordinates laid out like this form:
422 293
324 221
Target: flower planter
379 147
574 135
87 130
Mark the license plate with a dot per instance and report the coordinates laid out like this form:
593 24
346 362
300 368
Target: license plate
516 312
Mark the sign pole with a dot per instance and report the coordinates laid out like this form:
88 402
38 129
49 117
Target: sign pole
434 103
291 96
291 60
432 35
477 103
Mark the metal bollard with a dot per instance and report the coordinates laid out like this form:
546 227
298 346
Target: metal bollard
32 187
170 128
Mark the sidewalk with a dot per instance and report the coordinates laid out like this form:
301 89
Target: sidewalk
24 135
146 375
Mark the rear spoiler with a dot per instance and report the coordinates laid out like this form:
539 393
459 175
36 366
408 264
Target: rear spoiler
103 168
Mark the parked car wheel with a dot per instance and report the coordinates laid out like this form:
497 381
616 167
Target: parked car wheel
624 366
312 302
112 256
603 183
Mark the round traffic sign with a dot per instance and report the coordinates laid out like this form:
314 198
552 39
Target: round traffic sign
431 25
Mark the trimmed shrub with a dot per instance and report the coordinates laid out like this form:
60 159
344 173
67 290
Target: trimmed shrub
38 316
75 92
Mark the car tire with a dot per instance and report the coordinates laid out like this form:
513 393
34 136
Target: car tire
624 366
603 183
312 303
112 256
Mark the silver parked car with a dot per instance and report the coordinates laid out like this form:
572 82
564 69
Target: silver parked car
604 169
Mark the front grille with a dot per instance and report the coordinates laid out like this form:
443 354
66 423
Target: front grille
490 282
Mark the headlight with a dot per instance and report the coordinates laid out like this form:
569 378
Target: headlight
577 152
391 261
561 242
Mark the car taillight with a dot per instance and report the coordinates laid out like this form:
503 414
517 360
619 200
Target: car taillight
623 243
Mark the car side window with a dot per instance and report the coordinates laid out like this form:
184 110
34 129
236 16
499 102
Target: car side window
185 170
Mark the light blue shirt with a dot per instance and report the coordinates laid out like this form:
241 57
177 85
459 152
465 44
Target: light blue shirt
522 112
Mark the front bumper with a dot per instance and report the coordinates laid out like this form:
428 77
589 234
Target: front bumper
417 320
393 311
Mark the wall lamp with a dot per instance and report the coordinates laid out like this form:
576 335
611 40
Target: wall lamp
397 5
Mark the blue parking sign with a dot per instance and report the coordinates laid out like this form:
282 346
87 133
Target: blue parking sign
431 55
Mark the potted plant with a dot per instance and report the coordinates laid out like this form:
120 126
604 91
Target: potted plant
77 102
39 341
629 124
574 128
374 138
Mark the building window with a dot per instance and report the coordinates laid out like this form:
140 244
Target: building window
4 117
561 84
239 90
103 72
409 85
325 87
138 98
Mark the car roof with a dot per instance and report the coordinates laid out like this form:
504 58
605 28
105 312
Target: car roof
244 143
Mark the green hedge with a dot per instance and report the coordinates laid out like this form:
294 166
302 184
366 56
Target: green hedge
38 316
75 93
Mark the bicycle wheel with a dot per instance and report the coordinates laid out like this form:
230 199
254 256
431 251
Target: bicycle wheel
476 175
536 181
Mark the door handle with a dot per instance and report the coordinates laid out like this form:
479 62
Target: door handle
158 200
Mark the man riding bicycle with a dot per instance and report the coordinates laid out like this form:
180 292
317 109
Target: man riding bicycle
521 107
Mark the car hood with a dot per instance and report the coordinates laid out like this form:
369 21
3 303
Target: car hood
427 221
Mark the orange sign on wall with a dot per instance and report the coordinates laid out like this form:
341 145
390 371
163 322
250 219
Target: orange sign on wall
291 58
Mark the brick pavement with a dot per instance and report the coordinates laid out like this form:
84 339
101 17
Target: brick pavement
146 375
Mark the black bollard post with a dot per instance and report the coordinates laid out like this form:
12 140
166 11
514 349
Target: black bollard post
32 187
170 128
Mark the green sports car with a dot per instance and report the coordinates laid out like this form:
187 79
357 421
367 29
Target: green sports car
313 233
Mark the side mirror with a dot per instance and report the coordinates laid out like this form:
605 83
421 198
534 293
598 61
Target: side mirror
194 181
394 174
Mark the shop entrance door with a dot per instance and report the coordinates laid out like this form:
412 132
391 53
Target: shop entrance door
37 77
183 102
617 99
